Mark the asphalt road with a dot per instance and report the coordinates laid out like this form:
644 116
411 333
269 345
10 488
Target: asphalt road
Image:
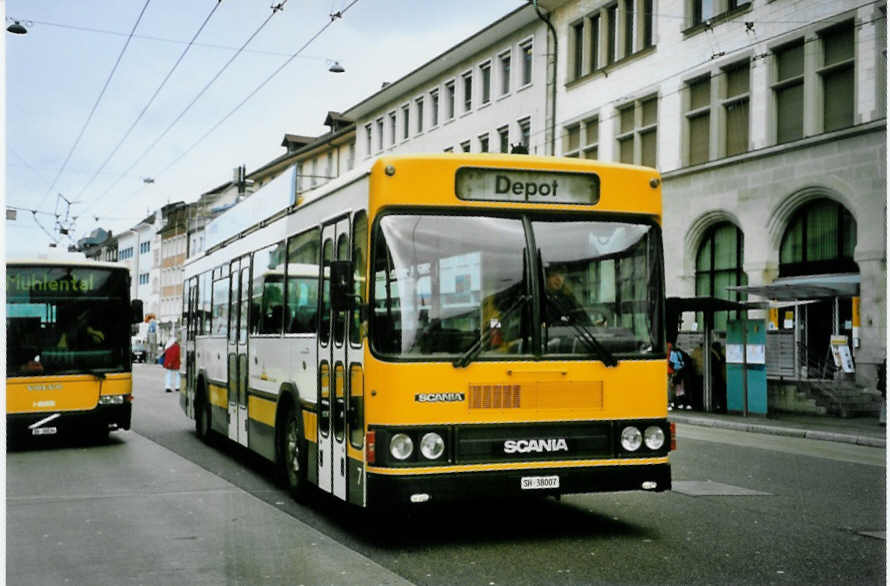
746 509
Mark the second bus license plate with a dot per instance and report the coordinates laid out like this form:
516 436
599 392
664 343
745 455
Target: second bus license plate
535 482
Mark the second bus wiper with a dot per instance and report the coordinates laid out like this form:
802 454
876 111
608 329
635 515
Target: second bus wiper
467 357
583 331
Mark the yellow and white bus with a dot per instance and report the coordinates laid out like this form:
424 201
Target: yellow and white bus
439 326
68 362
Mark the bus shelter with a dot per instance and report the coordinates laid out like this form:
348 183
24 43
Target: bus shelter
675 308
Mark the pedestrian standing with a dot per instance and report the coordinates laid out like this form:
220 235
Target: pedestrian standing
171 365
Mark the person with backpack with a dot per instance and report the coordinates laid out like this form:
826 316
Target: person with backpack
680 362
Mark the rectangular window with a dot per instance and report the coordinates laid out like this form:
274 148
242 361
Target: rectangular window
736 108
612 39
393 123
301 294
419 104
788 90
406 121
505 73
578 53
483 143
637 132
449 100
702 10
485 75
465 146
525 50
221 306
837 73
525 127
368 138
628 27
698 116
648 18
380 134
434 108
595 42
267 300
504 139
468 91
571 141
591 128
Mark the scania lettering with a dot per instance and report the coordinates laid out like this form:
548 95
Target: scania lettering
535 445
394 336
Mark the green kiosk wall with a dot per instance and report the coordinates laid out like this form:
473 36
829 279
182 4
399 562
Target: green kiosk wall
746 366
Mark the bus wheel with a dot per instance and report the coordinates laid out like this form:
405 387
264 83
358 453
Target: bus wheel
293 454
202 419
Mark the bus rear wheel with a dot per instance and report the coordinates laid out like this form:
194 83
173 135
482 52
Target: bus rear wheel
293 454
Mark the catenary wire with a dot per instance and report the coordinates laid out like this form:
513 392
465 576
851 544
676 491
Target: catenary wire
151 100
260 86
96 105
203 90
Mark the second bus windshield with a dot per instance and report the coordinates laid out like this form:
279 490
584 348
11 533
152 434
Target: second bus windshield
445 283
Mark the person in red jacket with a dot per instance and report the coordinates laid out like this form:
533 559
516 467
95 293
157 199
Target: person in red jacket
171 365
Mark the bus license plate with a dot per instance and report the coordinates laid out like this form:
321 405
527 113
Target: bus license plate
43 431
536 482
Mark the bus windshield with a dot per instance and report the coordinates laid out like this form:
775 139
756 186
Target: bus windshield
461 285
66 320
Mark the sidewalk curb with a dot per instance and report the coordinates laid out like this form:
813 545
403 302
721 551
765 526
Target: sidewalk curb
829 436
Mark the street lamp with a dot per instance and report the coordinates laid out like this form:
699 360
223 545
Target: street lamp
16 28
336 67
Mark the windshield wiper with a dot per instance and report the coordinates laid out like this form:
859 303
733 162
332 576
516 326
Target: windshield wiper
474 350
583 331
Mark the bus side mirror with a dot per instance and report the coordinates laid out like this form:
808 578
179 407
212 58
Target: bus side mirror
135 311
341 285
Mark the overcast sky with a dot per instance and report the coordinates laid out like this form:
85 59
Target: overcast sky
56 73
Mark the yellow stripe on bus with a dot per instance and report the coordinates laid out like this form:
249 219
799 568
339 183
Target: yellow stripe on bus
219 396
515 466
262 410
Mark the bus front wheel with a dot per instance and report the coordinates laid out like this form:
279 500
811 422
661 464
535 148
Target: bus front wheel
293 454
202 419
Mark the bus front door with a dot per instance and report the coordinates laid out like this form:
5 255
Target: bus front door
332 369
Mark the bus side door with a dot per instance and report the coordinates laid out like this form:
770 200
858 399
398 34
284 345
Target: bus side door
332 368
239 299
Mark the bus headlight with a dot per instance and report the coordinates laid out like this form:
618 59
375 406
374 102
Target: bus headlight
432 446
401 446
111 399
654 437
631 438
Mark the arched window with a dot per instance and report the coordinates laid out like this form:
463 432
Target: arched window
718 265
819 239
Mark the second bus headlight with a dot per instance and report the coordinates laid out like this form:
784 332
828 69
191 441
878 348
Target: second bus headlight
654 437
432 446
401 446
631 438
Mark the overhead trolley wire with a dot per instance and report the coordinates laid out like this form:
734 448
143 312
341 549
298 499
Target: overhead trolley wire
96 105
151 100
334 16
139 159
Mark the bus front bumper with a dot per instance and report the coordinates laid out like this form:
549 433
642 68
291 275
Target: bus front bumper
101 418
407 489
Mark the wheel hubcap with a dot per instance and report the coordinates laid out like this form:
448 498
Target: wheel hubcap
293 449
